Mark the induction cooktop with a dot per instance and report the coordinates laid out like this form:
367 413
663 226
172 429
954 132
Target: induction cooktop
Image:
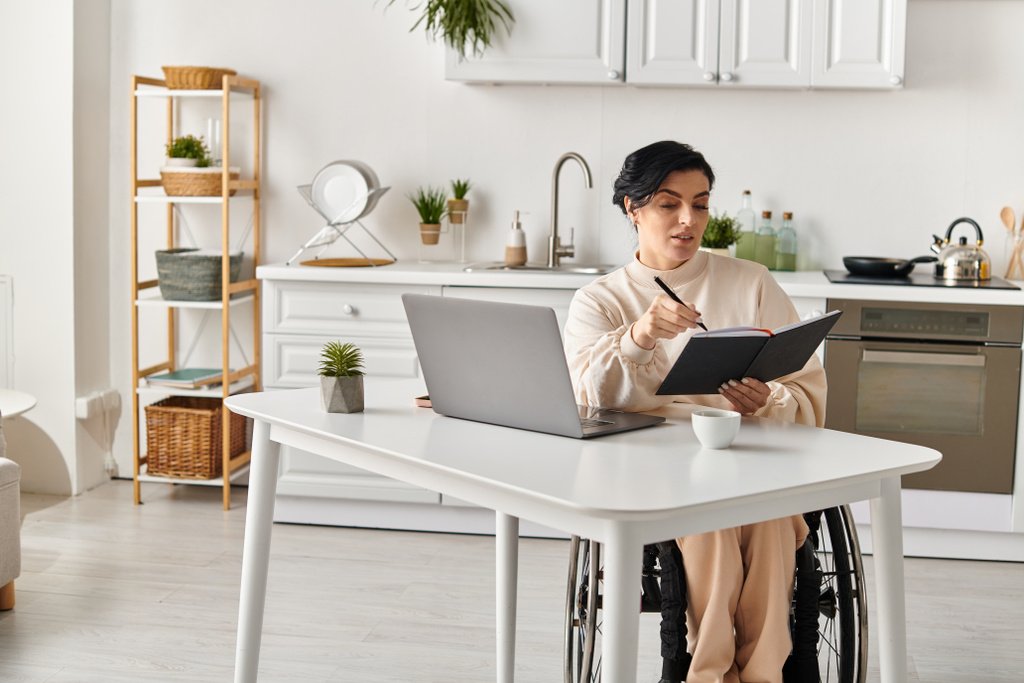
917 280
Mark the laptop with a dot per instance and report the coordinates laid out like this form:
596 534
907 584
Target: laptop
504 364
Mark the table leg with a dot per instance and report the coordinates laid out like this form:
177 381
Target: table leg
507 563
259 518
887 537
623 560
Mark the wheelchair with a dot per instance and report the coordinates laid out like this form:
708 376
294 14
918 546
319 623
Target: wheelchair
828 616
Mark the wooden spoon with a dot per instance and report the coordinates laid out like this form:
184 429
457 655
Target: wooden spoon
1010 221
1008 218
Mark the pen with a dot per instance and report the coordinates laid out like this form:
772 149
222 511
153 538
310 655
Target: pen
672 295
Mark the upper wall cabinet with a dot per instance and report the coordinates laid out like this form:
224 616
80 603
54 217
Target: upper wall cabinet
711 43
568 41
859 44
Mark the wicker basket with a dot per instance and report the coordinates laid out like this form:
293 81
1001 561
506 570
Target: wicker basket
193 275
182 181
195 77
183 437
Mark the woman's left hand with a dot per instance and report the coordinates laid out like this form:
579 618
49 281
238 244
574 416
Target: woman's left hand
747 395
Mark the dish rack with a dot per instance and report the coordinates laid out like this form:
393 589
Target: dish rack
341 220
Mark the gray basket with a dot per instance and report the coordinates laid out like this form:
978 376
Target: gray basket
188 275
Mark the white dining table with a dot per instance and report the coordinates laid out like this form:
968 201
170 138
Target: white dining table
623 490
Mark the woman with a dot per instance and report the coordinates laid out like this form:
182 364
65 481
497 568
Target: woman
623 335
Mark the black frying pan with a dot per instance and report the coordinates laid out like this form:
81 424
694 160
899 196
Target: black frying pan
873 266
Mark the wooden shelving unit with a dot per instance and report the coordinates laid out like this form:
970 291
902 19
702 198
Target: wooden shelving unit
144 293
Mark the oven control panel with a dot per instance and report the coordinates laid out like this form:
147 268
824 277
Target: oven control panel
904 320
875 321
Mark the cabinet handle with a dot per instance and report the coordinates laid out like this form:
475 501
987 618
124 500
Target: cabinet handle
613 75
726 77
709 75
896 80
349 309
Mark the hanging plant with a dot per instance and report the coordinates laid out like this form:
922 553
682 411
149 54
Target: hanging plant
466 26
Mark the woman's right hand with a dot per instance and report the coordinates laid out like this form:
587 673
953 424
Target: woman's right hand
663 319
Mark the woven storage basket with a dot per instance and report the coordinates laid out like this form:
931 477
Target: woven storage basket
183 437
182 181
195 77
193 275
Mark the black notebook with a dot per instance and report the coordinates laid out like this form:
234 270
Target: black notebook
711 358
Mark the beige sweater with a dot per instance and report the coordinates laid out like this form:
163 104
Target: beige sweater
610 370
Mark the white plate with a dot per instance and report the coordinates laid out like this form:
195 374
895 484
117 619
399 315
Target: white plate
340 191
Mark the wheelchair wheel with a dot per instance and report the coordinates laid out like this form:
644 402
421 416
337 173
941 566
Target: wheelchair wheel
582 654
829 613
843 627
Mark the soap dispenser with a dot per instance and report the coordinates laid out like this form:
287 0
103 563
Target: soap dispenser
515 247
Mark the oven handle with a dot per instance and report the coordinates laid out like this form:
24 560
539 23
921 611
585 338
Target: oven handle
922 358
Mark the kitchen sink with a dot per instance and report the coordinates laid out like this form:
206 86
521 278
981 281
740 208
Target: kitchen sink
570 268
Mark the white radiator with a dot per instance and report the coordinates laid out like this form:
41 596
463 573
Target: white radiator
6 332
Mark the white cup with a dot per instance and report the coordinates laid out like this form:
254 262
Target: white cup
715 428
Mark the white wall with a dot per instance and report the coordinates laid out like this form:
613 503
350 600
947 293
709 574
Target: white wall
54 231
36 233
870 173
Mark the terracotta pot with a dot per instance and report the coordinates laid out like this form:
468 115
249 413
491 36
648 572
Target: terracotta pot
430 233
457 209
342 394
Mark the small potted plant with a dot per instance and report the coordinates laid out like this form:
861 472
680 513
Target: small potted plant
188 170
341 378
458 205
722 232
430 203
188 150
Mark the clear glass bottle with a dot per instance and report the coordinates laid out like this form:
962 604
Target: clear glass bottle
745 219
764 241
785 244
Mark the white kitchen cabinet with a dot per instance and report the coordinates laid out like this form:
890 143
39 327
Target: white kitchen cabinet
300 316
733 43
569 41
702 43
859 44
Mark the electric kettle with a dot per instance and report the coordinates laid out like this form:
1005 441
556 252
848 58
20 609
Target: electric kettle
961 261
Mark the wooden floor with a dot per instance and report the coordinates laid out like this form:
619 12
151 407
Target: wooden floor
112 592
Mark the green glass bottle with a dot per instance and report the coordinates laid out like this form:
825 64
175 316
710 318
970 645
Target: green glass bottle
745 219
764 241
785 245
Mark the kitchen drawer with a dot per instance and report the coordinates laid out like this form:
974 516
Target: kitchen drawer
307 475
343 309
292 361
557 299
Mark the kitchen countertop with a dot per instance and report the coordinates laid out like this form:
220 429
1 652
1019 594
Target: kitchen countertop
812 284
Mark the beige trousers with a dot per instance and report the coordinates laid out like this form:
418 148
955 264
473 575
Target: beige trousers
740 584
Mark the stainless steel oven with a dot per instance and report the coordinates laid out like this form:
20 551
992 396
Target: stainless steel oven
945 376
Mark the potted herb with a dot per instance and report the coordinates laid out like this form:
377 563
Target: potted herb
458 205
341 378
466 26
188 150
722 231
430 203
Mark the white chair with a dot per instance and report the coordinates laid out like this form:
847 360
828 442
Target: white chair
10 525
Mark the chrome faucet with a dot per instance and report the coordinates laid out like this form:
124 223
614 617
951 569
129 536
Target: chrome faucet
556 250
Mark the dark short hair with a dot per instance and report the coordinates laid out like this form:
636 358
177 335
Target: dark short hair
645 170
